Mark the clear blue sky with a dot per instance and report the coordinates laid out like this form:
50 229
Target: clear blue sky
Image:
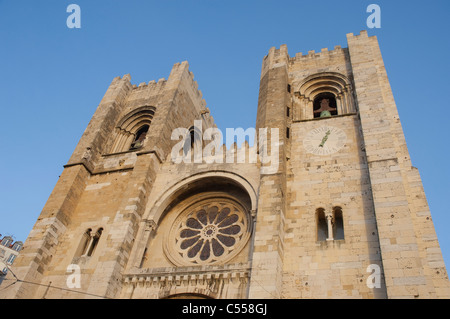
52 77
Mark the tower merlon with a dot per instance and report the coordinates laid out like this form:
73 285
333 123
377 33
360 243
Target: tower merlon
275 59
127 77
312 54
362 33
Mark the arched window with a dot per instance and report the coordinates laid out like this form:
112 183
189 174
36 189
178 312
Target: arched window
322 228
325 105
139 138
85 239
132 130
88 243
193 139
330 225
338 225
324 94
94 242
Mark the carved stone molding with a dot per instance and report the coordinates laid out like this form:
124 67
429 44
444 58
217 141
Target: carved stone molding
207 280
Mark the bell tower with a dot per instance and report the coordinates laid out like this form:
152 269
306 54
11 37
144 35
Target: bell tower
91 218
346 202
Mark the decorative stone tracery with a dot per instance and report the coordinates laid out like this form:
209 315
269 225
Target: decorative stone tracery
211 231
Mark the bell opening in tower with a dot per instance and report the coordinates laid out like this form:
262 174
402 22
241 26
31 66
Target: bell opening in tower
325 105
139 138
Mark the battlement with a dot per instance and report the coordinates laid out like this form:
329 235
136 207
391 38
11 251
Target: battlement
126 77
278 57
275 54
152 84
324 53
362 34
180 71
180 77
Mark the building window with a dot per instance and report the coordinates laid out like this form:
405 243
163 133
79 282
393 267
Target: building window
17 246
94 241
338 225
322 228
88 243
325 105
7 241
324 94
139 138
330 225
85 239
132 130
10 259
193 139
212 231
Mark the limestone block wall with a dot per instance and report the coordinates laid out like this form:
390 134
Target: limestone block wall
314 268
151 272
408 246
267 256
370 178
100 190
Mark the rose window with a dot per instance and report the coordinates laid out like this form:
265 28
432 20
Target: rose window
209 232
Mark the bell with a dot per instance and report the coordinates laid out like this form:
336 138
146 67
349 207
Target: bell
325 114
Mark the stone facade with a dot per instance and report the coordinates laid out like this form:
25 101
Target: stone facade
344 198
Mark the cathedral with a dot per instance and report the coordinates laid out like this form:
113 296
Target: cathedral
324 204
